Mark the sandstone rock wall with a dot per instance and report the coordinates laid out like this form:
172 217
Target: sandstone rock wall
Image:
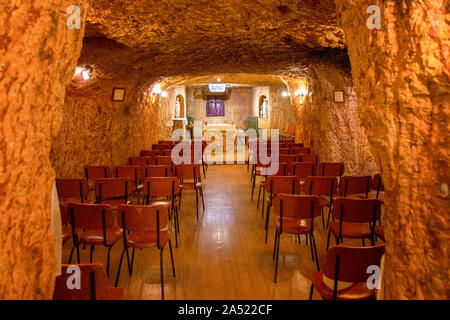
401 75
332 130
38 56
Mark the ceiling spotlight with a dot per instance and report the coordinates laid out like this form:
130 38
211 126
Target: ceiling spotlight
87 72
78 71
218 80
164 94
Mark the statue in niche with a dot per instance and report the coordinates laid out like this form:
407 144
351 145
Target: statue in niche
263 109
177 107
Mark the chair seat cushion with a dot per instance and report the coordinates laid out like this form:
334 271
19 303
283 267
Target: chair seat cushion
357 291
324 202
94 237
294 226
147 239
164 203
351 230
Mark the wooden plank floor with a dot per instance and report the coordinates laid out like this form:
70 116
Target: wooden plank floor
223 254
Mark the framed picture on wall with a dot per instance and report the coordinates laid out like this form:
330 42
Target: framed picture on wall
118 94
215 106
338 96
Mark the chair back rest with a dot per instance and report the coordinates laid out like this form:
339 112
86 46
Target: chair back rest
72 188
113 188
95 172
157 171
301 150
159 147
288 159
149 153
353 262
93 282
302 169
143 217
138 161
187 171
320 186
161 186
282 184
295 145
330 169
356 210
377 183
307 158
283 170
283 151
164 161
296 206
355 185
132 172
65 219
90 216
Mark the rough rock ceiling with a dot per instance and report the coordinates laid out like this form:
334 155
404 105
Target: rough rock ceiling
197 37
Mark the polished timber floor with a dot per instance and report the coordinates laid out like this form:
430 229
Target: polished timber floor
223 254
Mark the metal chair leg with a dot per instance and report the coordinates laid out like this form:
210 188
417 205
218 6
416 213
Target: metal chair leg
267 222
161 270
91 254
171 258
276 261
259 196
328 241
196 201
311 246
275 244
107 261
313 239
311 291
118 270
203 200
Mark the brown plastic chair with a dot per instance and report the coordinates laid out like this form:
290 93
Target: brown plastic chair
300 150
145 227
377 184
149 153
93 283
132 172
329 169
276 185
302 169
114 191
164 191
164 161
295 216
293 145
97 223
355 185
322 187
283 170
95 172
307 158
72 189
157 171
138 161
349 264
159 147
66 230
191 173
357 219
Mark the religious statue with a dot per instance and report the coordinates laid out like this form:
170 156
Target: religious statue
263 109
177 108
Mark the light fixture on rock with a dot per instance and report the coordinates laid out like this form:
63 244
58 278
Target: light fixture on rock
87 72
164 94
285 94
301 94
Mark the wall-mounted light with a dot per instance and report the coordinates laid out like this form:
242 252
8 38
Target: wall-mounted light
301 94
218 80
164 94
157 89
285 94
87 72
